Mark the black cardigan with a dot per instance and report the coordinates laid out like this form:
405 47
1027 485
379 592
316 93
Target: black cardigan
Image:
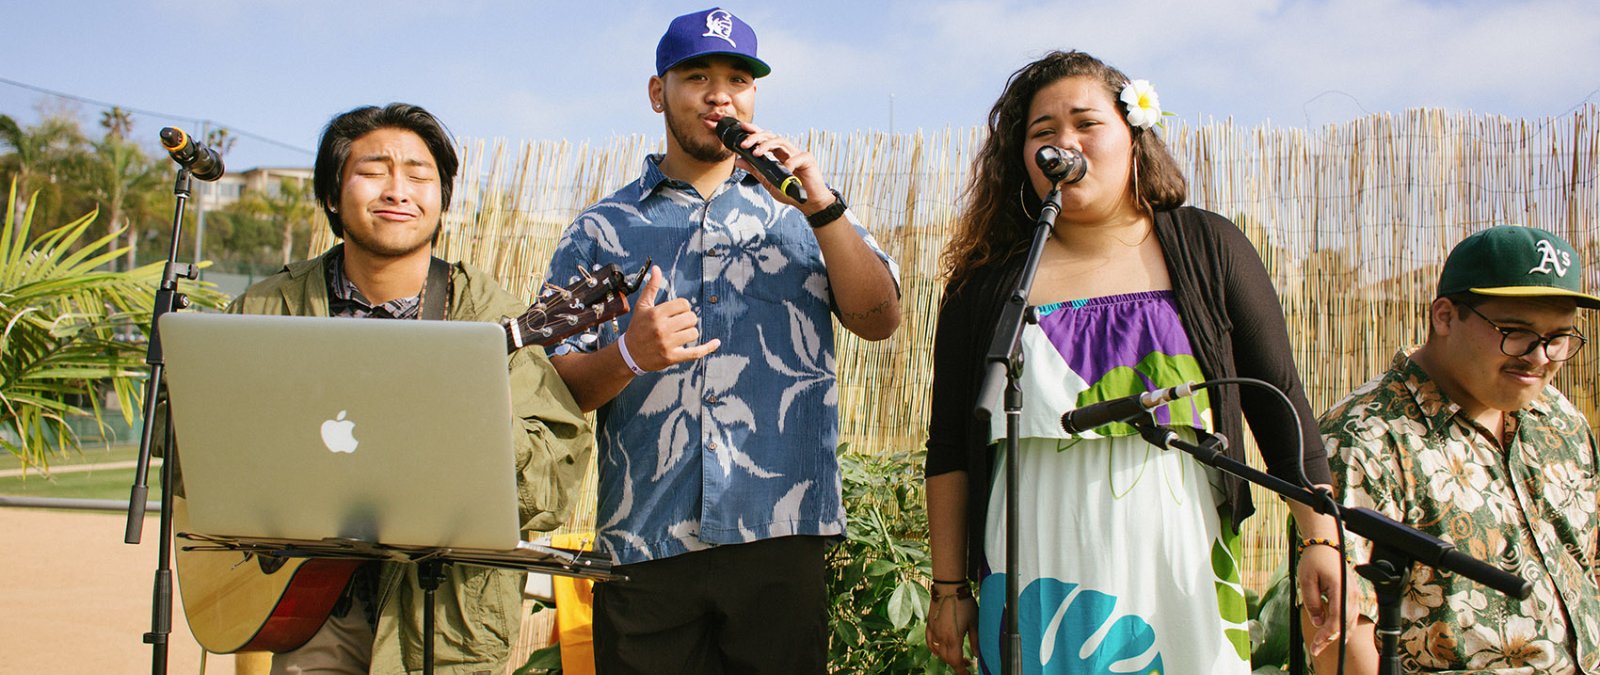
1227 305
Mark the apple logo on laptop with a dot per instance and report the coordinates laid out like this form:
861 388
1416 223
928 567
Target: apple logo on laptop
339 434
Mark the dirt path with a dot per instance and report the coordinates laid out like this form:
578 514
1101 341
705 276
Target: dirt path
75 599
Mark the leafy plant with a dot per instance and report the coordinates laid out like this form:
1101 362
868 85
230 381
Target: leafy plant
878 575
545 661
69 332
1269 627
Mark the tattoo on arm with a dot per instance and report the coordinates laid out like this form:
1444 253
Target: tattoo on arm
875 310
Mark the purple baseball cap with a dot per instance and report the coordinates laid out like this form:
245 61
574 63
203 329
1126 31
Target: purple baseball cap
711 31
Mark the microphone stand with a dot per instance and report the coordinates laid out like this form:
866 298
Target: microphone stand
1004 372
167 299
1396 546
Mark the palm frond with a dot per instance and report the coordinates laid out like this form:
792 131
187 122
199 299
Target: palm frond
65 329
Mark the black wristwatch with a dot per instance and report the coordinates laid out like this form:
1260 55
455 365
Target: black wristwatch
829 214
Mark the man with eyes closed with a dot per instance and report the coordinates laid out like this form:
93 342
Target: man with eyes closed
383 176
1466 439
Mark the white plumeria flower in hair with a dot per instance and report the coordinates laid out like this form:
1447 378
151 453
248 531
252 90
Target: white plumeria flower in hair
1144 106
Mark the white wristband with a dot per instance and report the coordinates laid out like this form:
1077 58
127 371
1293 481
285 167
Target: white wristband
622 346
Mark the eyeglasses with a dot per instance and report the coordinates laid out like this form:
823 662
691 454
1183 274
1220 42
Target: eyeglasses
1521 341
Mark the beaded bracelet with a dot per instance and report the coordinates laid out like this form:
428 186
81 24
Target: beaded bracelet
1319 541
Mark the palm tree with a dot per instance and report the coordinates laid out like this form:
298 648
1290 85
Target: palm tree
290 209
41 153
60 316
123 180
118 122
221 140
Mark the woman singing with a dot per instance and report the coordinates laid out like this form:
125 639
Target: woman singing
1128 553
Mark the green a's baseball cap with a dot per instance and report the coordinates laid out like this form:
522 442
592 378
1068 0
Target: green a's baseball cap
1518 262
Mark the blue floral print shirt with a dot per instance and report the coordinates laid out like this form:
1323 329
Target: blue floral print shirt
737 446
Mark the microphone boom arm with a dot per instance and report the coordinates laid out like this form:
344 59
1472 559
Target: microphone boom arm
1383 531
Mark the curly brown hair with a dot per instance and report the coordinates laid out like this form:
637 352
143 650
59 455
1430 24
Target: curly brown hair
993 221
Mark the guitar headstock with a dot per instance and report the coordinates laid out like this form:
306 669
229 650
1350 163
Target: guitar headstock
561 311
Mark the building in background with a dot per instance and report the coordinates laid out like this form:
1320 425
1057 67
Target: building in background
227 189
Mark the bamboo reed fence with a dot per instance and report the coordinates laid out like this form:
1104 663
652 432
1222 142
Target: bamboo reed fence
1352 220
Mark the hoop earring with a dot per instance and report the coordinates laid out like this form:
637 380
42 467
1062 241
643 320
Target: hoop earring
1022 201
1138 192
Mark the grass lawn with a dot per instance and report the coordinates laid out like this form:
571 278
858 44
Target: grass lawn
88 484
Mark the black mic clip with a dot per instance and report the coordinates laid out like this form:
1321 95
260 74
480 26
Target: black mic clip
1207 450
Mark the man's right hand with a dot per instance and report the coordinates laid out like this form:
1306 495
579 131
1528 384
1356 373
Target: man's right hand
662 335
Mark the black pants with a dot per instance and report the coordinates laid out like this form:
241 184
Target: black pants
744 608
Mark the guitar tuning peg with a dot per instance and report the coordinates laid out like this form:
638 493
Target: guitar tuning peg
631 285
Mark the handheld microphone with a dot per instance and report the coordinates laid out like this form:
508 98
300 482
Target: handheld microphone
202 162
733 135
1061 165
1122 409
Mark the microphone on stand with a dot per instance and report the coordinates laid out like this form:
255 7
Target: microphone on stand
1123 409
1061 165
202 162
733 135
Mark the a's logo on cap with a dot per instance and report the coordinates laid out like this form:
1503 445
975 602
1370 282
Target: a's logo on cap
1551 260
719 24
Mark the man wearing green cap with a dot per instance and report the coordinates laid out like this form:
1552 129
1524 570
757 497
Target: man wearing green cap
1464 438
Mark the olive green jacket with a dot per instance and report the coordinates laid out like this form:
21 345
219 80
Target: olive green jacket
478 611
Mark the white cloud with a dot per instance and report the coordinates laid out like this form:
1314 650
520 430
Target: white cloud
281 68
1293 62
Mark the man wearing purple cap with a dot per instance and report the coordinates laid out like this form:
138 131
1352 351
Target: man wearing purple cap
719 488
1465 439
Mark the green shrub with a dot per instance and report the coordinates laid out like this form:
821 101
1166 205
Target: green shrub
878 576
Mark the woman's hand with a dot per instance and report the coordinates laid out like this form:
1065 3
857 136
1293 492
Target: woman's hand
1320 594
952 620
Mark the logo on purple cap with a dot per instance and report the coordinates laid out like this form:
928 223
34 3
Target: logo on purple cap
719 24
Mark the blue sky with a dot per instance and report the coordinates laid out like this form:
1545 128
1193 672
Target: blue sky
578 71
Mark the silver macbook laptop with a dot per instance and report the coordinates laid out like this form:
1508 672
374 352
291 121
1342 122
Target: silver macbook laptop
391 432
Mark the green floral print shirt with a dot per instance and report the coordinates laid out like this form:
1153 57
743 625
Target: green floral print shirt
1399 446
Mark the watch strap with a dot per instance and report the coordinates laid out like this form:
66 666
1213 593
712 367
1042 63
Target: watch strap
830 214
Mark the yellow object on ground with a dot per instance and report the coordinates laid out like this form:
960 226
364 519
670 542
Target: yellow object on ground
252 663
575 611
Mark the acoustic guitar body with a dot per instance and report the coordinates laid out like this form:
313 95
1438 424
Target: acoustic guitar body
245 602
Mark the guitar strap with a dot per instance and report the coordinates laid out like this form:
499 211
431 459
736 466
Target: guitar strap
436 293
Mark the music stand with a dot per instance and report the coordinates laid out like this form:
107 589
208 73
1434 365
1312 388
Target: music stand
527 557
